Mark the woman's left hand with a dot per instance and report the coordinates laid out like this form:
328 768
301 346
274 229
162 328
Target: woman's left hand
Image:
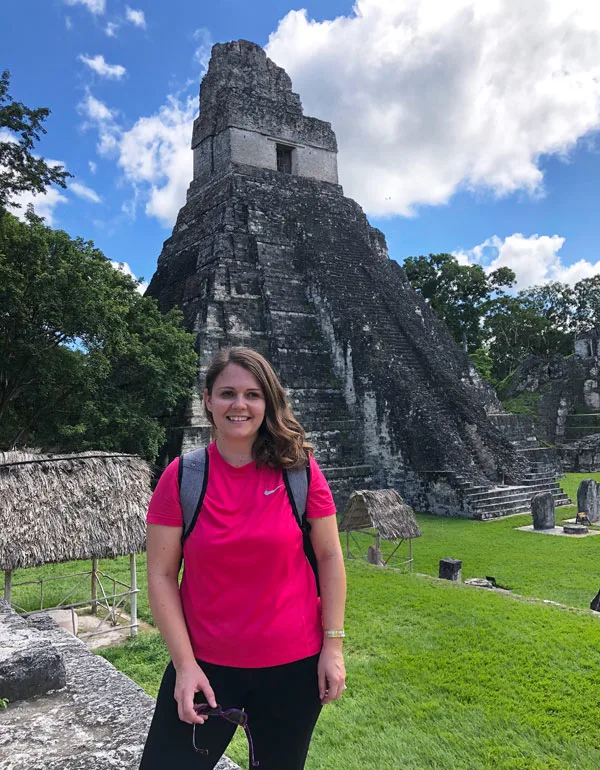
331 672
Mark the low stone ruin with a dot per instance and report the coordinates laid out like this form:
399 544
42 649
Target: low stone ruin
566 391
583 455
68 708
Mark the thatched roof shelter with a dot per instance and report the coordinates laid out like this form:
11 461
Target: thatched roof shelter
79 506
383 510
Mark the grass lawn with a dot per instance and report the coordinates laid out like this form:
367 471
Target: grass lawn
560 569
440 675
445 676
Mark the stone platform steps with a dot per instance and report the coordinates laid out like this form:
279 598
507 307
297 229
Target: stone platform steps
500 501
505 500
542 464
304 362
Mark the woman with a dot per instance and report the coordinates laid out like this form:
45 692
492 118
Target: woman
246 630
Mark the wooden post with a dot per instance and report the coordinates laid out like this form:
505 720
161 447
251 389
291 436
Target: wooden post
410 556
94 586
378 548
7 585
133 581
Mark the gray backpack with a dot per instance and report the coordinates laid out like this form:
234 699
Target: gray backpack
193 479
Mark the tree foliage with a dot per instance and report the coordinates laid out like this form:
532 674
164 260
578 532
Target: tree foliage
499 330
461 295
86 362
20 129
542 320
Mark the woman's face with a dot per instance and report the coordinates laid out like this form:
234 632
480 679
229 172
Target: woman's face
237 404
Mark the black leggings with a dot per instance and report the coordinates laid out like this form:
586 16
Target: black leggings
282 703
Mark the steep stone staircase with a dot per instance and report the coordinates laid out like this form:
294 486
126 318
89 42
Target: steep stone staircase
504 500
304 362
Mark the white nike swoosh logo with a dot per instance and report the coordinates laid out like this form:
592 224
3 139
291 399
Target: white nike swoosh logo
270 491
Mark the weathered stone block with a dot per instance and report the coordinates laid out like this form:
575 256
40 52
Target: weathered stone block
575 529
587 499
28 666
543 511
451 569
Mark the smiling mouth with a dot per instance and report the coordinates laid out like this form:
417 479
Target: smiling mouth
238 419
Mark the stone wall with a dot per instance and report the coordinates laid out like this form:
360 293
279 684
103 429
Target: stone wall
587 345
218 154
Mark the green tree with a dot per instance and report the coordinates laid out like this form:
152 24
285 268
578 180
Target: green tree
586 299
520 326
556 302
484 363
20 170
86 362
461 295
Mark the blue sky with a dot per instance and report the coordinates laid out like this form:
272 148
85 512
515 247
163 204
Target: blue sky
468 126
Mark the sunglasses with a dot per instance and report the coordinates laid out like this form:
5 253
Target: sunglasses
235 716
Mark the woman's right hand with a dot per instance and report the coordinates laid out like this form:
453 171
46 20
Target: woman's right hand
190 679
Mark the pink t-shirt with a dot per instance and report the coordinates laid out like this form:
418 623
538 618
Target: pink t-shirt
248 592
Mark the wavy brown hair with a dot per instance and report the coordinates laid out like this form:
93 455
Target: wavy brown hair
281 441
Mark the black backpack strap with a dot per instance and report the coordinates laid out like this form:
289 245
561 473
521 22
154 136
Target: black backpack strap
296 483
193 478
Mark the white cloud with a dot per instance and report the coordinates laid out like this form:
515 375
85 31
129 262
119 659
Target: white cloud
102 68
431 96
8 136
154 154
101 117
123 267
43 204
204 46
82 191
534 259
129 208
93 166
156 158
96 110
111 29
68 22
135 17
94 6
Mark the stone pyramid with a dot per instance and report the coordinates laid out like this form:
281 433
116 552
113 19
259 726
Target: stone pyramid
267 252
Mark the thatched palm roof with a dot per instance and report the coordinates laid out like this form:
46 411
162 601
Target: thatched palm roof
80 506
382 509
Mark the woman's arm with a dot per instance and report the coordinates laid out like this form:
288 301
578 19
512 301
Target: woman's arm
332 580
164 559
